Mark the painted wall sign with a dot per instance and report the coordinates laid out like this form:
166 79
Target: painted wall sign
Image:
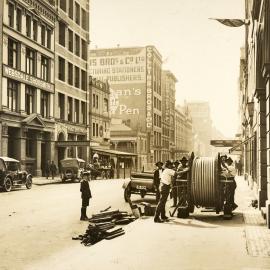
149 91
26 78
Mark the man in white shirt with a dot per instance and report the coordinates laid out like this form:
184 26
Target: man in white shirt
165 185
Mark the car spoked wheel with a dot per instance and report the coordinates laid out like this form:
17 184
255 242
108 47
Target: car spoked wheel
7 184
29 182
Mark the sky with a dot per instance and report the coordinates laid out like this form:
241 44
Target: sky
203 54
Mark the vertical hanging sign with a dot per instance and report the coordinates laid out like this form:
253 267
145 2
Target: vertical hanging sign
149 90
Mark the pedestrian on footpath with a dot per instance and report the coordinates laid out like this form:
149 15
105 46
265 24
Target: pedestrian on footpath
47 169
157 177
165 186
53 169
85 195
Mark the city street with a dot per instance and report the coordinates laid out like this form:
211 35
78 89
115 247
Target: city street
37 226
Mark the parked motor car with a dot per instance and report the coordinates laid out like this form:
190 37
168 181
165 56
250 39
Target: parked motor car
71 169
11 174
141 183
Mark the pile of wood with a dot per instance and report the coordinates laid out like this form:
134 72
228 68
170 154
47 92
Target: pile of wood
105 226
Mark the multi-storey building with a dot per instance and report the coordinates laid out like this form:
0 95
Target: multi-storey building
27 81
183 133
134 75
255 101
71 79
168 82
202 124
99 113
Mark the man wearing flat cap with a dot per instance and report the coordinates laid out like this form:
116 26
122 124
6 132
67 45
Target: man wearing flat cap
157 176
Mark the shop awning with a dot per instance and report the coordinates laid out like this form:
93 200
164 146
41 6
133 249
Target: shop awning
72 143
113 152
237 149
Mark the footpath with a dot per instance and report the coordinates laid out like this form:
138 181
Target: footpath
202 242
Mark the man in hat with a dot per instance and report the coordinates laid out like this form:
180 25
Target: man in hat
157 176
183 168
165 186
230 174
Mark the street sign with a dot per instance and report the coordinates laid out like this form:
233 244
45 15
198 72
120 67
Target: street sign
225 143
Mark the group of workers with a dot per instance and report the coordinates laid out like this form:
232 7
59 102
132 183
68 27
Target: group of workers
165 180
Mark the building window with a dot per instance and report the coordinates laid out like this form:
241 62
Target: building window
83 80
77 10
49 38
61 68
70 40
44 68
84 20
19 20
35 29
43 34
94 100
77 45
94 129
77 77
30 61
106 105
63 5
28 25
70 9
44 104
77 111
61 106
13 53
11 15
29 99
62 34
83 107
12 95
70 109
70 73
84 50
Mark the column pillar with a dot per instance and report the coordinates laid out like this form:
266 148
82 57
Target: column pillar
260 94
22 147
4 146
38 154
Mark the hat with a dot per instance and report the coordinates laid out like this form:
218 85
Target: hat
229 159
184 159
168 163
177 162
159 162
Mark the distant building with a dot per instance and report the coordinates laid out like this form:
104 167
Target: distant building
183 133
168 82
134 75
202 124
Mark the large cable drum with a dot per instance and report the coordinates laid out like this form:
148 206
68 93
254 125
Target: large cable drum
205 182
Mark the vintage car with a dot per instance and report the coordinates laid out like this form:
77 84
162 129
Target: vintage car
11 175
141 183
71 169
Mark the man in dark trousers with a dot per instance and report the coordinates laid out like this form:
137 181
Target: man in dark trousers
53 169
157 176
165 185
86 195
47 169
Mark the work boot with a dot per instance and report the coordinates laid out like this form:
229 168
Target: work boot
85 216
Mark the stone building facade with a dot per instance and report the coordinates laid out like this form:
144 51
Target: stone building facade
27 81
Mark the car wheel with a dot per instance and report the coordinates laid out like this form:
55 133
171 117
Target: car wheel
7 184
127 193
29 182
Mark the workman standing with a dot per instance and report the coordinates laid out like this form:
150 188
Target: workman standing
157 176
183 168
174 184
230 174
165 185
85 195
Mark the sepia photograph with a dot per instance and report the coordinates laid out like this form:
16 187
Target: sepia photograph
135 134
